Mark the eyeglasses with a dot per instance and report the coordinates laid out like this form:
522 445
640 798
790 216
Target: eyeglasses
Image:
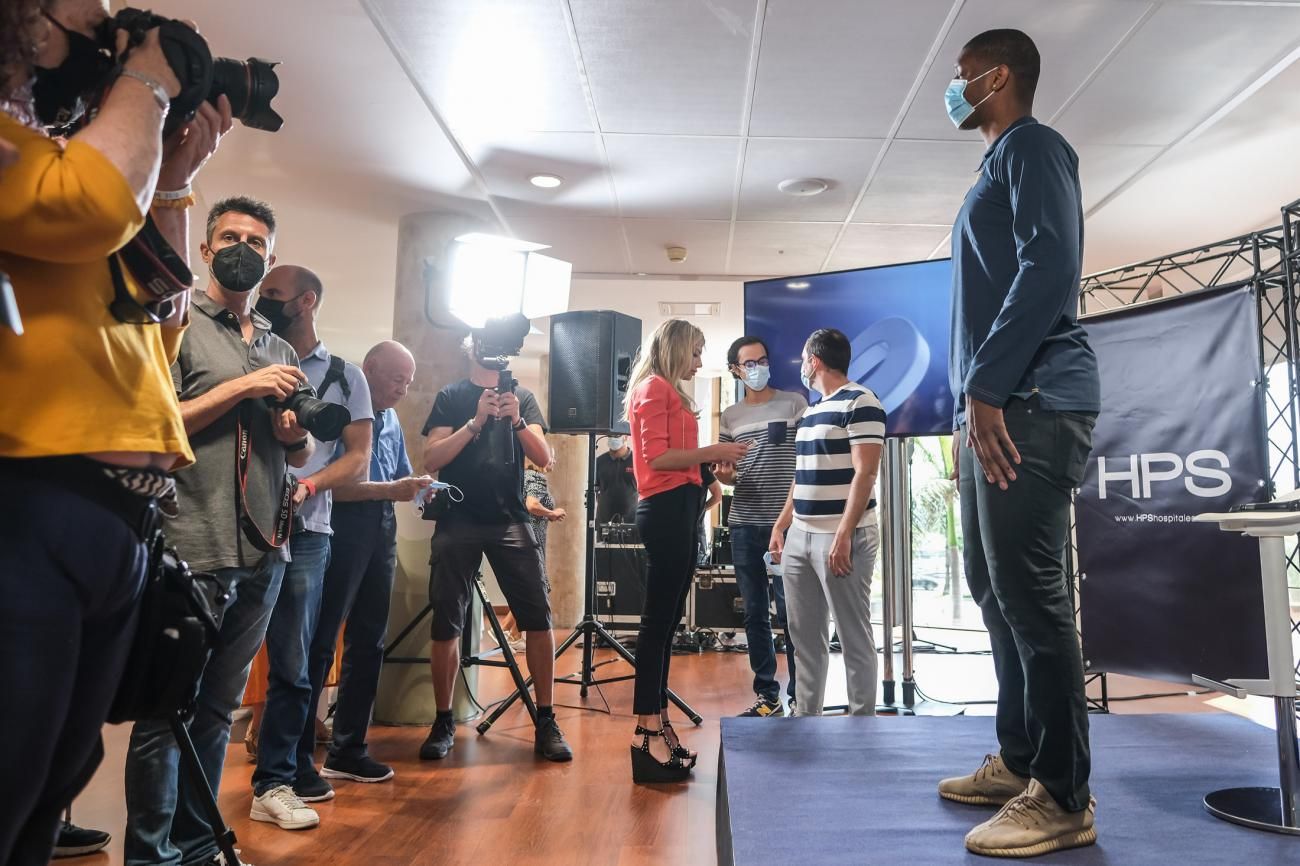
750 365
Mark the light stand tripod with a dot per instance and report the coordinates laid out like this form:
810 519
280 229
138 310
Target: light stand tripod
590 628
469 656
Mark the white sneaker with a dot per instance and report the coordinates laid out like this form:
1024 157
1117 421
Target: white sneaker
282 807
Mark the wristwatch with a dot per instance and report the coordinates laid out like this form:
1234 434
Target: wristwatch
521 425
297 446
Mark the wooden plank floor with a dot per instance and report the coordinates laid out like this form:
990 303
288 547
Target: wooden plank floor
492 802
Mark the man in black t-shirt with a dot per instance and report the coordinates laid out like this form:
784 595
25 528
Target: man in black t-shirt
464 439
616 494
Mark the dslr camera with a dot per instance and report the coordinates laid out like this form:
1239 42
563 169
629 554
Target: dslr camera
320 418
250 85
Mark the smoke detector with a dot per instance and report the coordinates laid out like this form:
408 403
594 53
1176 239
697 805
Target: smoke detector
803 186
676 255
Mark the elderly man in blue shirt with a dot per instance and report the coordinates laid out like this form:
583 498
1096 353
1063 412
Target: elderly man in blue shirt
1027 394
359 580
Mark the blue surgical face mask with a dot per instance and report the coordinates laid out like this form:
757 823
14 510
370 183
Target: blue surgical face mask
757 378
805 376
615 444
955 98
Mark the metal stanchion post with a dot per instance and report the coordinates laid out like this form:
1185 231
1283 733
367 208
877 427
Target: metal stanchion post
887 520
901 494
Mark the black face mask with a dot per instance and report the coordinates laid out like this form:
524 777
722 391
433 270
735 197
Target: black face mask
60 93
274 312
238 268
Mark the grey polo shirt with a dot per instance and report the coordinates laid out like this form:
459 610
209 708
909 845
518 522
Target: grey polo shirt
207 532
315 512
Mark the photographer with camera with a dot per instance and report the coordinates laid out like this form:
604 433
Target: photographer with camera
89 424
290 299
235 520
463 434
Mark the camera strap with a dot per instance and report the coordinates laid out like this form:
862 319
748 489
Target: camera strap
156 266
283 512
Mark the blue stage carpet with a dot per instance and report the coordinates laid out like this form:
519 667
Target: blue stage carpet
862 791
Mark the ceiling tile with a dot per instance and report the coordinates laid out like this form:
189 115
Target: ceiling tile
667 176
705 242
867 246
1072 39
670 66
490 65
507 161
776 249
843 163
921 182
840 68
593 246
1184 63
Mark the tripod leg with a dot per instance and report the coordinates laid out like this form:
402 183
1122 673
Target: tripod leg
224 836
521 685
695 717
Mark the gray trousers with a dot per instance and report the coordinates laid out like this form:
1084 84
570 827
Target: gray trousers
812 595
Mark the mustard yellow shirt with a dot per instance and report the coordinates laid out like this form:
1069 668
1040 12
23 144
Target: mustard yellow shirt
77 380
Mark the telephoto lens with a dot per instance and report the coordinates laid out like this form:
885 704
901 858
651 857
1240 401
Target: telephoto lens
321 419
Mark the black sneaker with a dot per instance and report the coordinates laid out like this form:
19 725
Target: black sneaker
765 708
311 788
363 769
75 841
549 742
442 736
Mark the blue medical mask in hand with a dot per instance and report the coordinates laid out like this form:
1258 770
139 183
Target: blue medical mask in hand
757 378
955 98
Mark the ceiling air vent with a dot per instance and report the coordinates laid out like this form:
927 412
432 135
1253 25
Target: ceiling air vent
687 309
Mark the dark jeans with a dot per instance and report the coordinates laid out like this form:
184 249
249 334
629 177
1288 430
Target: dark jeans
748 544
667 523
165 822
1015 565
289 636
358 585
70 576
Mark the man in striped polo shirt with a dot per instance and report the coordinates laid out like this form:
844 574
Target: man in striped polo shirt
766 419
830 514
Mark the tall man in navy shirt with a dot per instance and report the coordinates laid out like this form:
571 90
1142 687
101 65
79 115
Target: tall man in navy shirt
1027 394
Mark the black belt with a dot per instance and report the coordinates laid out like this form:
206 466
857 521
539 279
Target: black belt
86 478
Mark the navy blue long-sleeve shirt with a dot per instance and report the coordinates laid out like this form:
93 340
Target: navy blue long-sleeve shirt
1017 254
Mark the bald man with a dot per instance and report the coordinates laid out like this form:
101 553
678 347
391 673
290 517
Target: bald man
290 299
359 580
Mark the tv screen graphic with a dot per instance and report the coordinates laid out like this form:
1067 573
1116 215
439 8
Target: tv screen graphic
897 318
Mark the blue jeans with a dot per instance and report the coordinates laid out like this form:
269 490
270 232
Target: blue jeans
748 544
358 585
288 645
164 819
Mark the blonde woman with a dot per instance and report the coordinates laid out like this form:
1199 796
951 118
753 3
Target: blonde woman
666 463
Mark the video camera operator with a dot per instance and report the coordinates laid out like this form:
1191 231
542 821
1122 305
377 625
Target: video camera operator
90 423
461 432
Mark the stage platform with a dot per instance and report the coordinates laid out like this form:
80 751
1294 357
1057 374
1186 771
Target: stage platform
840 790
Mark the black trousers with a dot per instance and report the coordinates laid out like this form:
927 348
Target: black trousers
71 572
667 522
358 586
1015 566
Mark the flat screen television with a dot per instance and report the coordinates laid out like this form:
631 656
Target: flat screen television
897 318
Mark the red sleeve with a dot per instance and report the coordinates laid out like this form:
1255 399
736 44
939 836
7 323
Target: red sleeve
650 412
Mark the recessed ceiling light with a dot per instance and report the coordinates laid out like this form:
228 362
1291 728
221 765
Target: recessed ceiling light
803 186
546 181
798 285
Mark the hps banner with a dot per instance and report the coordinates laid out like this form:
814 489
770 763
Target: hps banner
1181 432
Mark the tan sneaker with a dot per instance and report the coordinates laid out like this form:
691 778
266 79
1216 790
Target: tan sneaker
991 785
1033 824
